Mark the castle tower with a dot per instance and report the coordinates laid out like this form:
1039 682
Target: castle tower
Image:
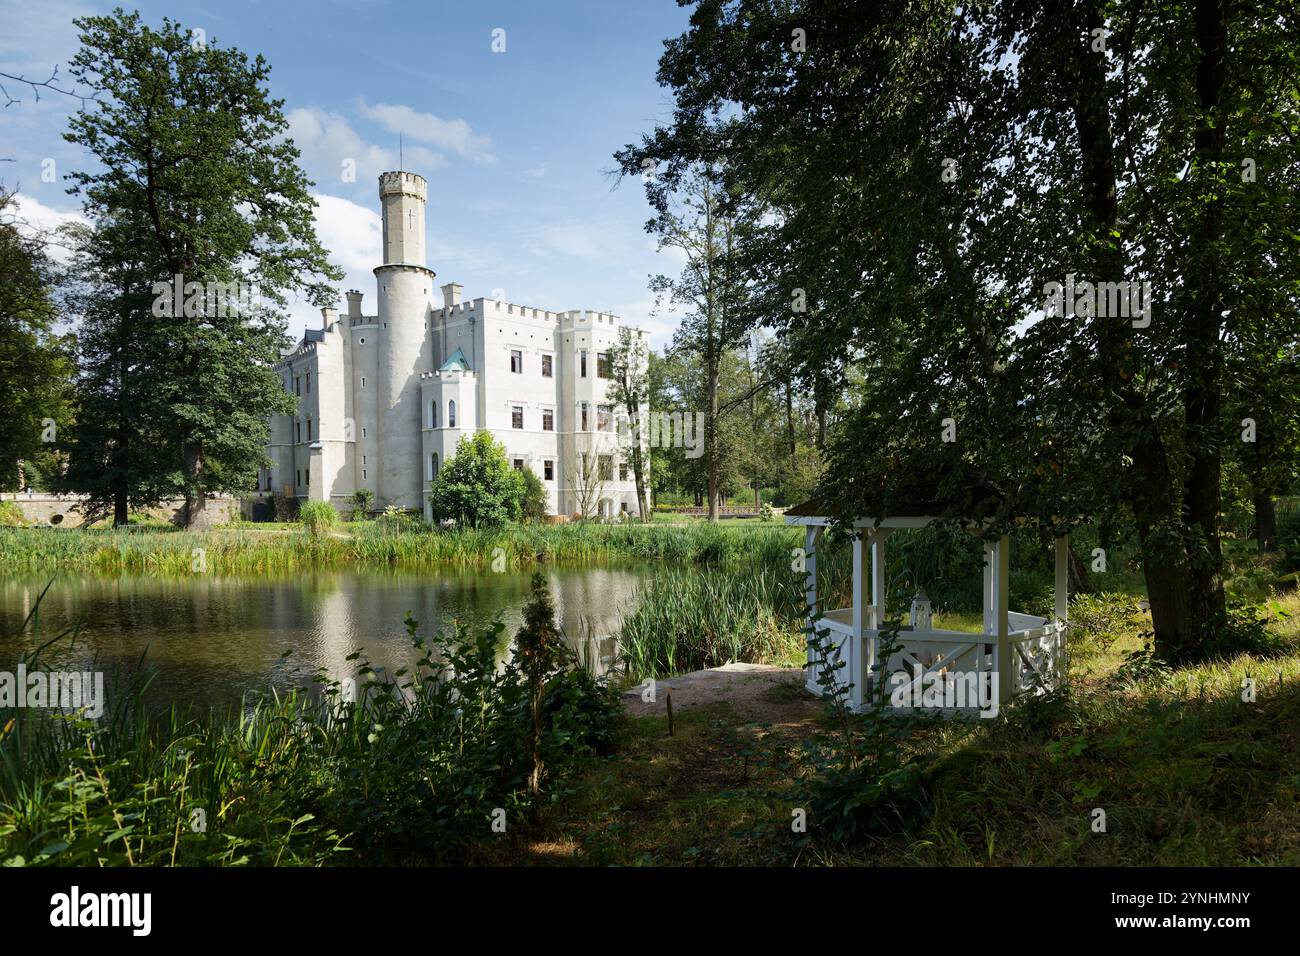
405 287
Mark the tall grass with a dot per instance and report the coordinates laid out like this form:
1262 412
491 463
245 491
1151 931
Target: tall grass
685 621
248 551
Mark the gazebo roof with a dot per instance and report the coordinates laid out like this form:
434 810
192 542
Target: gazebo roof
924 500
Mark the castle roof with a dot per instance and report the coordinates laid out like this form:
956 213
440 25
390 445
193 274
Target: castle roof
456 363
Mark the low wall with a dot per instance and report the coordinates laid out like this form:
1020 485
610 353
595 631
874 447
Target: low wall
64 511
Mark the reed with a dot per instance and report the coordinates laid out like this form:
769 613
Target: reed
246 550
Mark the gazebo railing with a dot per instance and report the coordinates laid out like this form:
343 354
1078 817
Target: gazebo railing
1036 650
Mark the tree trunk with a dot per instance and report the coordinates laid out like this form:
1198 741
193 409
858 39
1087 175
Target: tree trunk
121 510
711 436
789 425
196 514
1265 522
1079 580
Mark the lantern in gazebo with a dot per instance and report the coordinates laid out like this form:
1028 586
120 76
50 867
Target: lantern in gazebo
921 611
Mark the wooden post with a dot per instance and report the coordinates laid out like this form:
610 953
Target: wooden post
878 598
811 539
1062 590
990 556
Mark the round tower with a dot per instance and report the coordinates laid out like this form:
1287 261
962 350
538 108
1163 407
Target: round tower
405 288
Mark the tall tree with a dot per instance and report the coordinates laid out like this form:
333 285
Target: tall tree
629 389
695 216
35 361
193 153
934 166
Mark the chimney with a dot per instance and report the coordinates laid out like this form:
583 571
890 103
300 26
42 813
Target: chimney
329 316
451 294
354 304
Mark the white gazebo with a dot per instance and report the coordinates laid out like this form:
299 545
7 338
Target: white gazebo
1016 653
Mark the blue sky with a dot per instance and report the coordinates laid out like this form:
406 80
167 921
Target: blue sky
516 145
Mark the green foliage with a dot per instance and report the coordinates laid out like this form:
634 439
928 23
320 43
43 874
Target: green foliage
179 393
36 366
476 487
864 781
363 499
532 502
318 517
11 515
407 768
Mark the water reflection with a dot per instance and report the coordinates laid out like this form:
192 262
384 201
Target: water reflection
208 640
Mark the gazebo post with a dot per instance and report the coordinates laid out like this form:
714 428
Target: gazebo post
859 655
990 556
1004 665
1062 589
878 597
811 537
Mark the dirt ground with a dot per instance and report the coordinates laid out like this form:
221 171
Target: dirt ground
761 693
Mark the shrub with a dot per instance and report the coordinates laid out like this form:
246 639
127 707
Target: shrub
477 487
11 516
286 507
363 499
317 516
532 503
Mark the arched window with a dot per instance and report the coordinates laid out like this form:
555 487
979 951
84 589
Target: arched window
433 467
433 414
451 413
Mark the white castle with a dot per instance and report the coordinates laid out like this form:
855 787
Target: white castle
383 399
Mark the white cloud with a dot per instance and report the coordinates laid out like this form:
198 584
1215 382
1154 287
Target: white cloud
327 140
352 235
36 218
452 136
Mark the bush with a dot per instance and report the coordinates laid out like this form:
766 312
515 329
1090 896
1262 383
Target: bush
363 499
477 487
532 504
11 516
317 516
286 507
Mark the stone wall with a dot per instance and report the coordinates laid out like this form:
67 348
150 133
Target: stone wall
64 511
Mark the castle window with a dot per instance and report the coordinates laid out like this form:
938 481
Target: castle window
298 476
622 471
602 365
582 363
605 466
362 340
548 419
309 383
297 431
363 431
604 418
309 429
516 416
433 466
363 474
363 459
519 464
451 413
307 472
516 361
548 470
363 381
584 417
546 366
433 414
297 385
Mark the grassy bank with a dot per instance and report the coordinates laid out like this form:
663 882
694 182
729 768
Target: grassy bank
250 551
1185 770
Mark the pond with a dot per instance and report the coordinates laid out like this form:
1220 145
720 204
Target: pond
209 641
